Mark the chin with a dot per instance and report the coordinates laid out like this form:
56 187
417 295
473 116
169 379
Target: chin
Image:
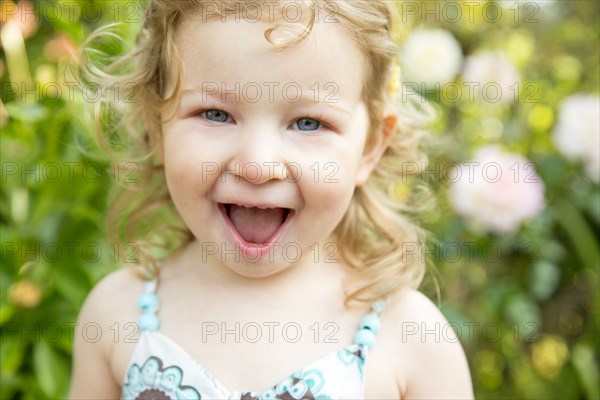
256 270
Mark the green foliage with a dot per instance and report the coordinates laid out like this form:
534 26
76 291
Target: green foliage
527 315
525 304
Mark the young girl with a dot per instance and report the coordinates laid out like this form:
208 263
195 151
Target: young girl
275 129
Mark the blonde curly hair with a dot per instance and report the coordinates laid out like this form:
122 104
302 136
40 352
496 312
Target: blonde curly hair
373 233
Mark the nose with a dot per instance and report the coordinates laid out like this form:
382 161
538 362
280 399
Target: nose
258 157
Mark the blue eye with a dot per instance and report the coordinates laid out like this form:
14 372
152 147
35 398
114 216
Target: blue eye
308 124
216 115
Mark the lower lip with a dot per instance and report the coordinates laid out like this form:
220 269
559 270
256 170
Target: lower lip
255 251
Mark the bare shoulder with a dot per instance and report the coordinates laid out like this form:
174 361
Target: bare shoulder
414 306
429 350
112 300
105 302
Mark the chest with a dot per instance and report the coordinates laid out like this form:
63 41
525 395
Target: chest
234 371
254 347
255 354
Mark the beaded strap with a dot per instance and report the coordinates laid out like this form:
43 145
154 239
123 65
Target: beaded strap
149 305
370 324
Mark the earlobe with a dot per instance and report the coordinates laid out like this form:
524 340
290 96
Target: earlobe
372 155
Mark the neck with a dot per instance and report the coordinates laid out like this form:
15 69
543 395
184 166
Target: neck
303 273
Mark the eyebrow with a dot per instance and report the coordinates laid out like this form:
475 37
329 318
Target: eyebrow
303 97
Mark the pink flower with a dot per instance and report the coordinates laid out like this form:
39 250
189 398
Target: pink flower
496 191
23 14
577 131
493 75
59 47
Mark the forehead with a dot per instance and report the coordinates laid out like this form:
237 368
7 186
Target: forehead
229 49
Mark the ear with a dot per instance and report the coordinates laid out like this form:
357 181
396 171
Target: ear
372 155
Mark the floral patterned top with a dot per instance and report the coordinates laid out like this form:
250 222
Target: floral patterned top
160 369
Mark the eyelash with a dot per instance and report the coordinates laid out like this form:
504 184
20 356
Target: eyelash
318 117
201 111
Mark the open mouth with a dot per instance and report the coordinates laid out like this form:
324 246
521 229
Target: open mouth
254 225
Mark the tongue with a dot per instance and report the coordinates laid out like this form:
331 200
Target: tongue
254 224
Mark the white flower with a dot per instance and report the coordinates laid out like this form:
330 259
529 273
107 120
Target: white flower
431 56
577 131
529 7
493 76
496 191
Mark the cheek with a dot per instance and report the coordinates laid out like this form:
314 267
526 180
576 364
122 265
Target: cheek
186 156
185 174
328 182
176 175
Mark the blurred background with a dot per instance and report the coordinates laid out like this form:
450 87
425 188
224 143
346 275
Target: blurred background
514 163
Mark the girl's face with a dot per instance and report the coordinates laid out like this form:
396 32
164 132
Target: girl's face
266 148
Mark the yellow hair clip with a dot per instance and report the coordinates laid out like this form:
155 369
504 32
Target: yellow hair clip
395 85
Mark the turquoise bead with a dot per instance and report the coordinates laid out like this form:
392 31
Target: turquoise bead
379 306
148 322
365 337
149 302
370 321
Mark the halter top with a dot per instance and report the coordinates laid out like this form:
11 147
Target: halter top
160 369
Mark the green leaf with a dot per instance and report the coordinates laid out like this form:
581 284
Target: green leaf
72 284
587 369
51 369
581 235
44 366
544 278
521 310
12 350
593 205
29 113
6 312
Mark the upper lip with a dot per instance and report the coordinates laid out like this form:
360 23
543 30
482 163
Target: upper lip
260 204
